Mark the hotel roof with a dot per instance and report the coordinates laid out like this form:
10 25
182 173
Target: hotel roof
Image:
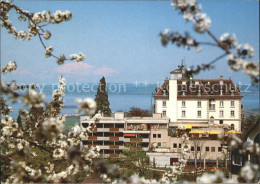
201 88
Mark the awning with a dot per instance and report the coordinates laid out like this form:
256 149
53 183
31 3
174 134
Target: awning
196 132
129 135
233 132
181 126
143 124
214 132
188 126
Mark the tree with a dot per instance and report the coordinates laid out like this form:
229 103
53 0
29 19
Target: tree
248 122
36 150
135 111
198 153
102 98
134 160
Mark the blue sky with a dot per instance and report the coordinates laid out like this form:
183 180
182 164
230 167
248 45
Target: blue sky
121 41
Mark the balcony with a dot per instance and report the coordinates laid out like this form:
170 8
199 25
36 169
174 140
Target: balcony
114 147
92 138
113 138
145 140
103 147
103 130
114 129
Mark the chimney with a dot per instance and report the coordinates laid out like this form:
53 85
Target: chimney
221 82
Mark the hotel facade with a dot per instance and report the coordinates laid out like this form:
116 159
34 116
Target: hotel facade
200 108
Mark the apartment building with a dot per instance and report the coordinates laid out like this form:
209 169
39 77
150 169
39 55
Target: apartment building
112 133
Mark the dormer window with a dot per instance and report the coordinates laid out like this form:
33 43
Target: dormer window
212 91
232 91
199 92
183 91
164 92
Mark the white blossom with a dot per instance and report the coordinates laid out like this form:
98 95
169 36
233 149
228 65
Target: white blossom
61 59
58 153
87 105
52 127
249 173
22 35
224 36
47 35
250 49
60 16
201 22
48 51
78 57
11 66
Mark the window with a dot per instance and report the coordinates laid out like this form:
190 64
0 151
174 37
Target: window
164 144
179 145
232 103
159 135
232 113
221 113
164 103
183 103
164 113
154 135
211 120
219 149
183 114
199 104
221 103
159 144
207 148
232 126
192 148
198 148
212 149
174 145
199 113
212 107
221 122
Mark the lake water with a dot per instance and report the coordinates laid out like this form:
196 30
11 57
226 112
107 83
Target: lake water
124 96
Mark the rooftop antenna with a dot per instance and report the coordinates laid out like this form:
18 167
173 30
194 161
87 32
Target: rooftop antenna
182 64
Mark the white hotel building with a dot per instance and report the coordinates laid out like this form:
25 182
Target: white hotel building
216 103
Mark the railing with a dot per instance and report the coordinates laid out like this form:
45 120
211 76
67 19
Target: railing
114 146
114 129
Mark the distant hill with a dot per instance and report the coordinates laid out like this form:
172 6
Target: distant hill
247 112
